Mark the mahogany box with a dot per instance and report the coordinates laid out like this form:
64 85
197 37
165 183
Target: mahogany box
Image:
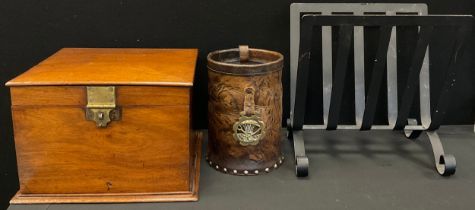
106 125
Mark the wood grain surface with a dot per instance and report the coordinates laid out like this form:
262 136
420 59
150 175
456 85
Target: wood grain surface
59 151
76 95
102 66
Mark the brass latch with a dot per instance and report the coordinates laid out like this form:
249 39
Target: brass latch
101 106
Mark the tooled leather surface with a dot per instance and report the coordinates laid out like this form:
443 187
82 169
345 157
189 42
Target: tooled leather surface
226 101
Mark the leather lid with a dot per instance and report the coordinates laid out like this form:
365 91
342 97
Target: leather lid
256 62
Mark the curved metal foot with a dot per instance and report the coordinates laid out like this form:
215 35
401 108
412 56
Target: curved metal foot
301 166
444 163
412 134
301 159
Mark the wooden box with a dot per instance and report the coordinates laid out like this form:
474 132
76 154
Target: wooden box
106 125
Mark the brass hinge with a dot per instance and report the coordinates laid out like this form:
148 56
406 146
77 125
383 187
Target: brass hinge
101 105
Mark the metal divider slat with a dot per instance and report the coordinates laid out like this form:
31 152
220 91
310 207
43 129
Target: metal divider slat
414 72
302 75
345 36
359 64
391 78
358 45
450 78
327 68
377 76
424 92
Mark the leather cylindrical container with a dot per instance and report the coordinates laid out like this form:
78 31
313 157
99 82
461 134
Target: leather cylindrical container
244 110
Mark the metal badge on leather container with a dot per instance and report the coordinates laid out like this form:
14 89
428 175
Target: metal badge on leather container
249 130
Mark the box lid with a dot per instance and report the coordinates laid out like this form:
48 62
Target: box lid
113 66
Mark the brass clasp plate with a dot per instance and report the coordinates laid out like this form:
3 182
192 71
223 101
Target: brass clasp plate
101 105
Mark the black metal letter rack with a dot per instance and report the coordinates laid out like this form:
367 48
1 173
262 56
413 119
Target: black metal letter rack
349 30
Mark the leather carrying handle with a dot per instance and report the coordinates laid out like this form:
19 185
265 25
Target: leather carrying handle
243 53
249 104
